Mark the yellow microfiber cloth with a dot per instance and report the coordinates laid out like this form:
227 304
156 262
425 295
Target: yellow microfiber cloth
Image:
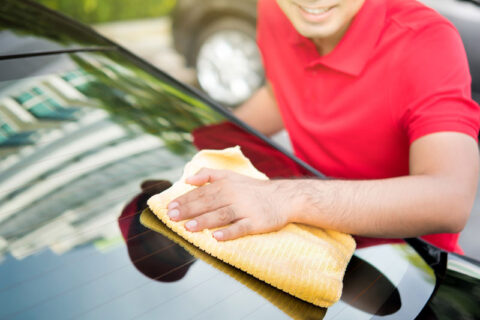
293 307
305 261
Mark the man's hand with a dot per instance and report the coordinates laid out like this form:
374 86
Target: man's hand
225 197
436 197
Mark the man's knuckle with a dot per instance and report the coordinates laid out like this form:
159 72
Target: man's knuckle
186 210
223 216
180 200
231 213
226 214
202 222
243 228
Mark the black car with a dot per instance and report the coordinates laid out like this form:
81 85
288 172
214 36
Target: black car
88 131
217 38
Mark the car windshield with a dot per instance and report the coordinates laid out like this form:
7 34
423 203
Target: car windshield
26 28
79 134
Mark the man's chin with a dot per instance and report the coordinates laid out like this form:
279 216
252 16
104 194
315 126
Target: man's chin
316 32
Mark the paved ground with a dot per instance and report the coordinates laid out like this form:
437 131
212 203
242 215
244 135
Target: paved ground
151 39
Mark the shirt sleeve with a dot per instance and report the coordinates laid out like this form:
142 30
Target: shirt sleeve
436 85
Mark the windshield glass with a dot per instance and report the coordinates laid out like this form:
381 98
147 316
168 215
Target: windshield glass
26 27
79 135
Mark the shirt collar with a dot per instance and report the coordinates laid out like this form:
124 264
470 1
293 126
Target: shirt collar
354 50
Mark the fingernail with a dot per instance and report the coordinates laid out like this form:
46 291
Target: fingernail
172 205
218 234
173 213
191 224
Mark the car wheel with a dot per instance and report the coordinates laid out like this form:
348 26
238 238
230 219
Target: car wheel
227 60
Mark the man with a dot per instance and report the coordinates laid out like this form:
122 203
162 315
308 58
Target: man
374 92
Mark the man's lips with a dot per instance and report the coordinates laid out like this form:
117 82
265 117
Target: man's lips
317 14
315 10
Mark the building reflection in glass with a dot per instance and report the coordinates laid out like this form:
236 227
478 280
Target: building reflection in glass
74 144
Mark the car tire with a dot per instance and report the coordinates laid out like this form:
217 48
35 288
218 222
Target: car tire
227 60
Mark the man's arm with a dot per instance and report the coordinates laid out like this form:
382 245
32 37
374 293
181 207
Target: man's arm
436 197
261 111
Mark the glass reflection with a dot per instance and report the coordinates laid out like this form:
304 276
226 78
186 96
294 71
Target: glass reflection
293 307
25 29
153 254
367 289
264 157
134 98
79 137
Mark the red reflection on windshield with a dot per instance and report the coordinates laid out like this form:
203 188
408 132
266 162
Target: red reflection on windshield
265 158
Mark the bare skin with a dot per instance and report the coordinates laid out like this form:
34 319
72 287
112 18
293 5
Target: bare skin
326 24
261 111
436 197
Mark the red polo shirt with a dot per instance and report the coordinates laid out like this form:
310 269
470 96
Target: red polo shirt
399 73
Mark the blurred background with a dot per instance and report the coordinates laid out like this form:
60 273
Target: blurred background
96 11
143 29
211 45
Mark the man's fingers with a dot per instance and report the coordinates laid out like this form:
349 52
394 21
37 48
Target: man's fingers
195 208
203 193
196 202
236 230
214 219
206 175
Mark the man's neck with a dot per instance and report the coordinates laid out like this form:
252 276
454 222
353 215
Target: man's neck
326 45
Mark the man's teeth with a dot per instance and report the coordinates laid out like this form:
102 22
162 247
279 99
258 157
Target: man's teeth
315 11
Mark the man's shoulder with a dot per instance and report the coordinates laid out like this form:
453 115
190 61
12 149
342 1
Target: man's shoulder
422 34
414 16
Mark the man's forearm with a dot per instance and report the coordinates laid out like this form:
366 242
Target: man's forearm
261 112
398 207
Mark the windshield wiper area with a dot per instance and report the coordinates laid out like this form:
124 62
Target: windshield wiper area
52 52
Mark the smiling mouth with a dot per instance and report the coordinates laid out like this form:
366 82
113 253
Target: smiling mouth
315 11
